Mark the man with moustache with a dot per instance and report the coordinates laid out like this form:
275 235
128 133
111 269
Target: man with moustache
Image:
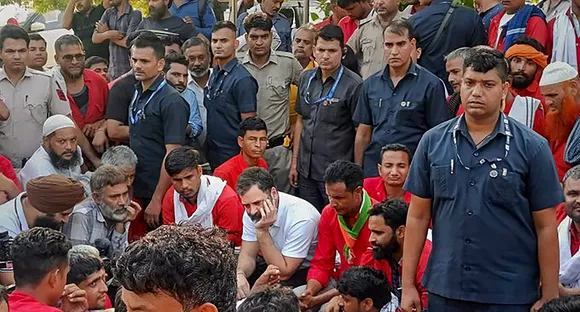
454 68
47 202
197 53
176 75
527 61
88 273
59 153
559 85
81 16
160 19
195 198
87 93
106 214
279 229
281 27
302 48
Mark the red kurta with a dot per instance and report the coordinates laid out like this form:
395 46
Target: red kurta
536 28
383 266
558 150
348 26
376 190
330 240
227 212
230 170
7 170
23 302
98 97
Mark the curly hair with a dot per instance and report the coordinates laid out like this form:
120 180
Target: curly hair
37 252
271 299
191 264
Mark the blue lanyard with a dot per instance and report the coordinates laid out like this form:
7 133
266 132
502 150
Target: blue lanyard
330 94
483 160
134 115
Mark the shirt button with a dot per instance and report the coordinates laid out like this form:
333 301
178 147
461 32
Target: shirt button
476 154
388 131
467 268
470 213
468 241
472 183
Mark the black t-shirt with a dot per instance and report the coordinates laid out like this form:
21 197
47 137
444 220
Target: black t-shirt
172 24
165 117
120 97
82 100
84 27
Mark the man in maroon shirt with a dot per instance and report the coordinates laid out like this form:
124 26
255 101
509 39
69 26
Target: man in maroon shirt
40 259
198 198
393 169
253 140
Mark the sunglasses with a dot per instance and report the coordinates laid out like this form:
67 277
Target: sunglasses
69 57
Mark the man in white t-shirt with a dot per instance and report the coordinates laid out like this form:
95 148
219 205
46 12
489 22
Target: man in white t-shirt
279 229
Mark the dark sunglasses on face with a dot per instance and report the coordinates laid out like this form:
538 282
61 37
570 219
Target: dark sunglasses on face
69 57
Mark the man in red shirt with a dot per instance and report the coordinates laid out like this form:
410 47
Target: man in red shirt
253 140
41 264
198 198
527 62
513 21
86 90
9 184
357 11
343 228
569 232
337 13
393 169
560 87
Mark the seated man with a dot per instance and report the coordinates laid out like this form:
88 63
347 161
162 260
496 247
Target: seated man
41 263
106 214
253 140
363 289
387 225
124 158
343 229
198 198
393 169
87 272
279 229
47 202
199 277
59 153
271 299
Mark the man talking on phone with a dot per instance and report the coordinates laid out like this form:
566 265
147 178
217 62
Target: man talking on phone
282 228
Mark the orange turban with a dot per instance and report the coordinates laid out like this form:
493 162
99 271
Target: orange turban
528 52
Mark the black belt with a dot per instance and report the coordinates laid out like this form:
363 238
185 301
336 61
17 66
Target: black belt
275 141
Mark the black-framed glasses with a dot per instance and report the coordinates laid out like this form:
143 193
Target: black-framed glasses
69 57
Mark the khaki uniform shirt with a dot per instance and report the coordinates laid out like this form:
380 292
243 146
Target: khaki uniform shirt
367 44
274 80
31 101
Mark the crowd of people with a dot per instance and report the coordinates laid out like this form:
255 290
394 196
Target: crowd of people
178 163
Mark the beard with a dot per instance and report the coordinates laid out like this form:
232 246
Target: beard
115 214
72 76
157 13
198 72
177 86
47 222
386 252
521 80
559 123
61 163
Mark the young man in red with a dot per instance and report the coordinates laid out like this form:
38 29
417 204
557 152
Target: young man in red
198 198
559 85
514 20
253 140
343 228
41 264
356 12
393 169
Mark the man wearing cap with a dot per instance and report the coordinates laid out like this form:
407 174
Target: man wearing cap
559 85
47 202
59 153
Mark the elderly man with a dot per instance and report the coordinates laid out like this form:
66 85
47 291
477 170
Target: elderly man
47 202
559 85
123 157
527 61
59 153
107 213
454 68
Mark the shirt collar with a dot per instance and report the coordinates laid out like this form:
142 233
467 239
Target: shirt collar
27 73
273 58
412 70
334 75
194 82
128 10
230 65
499 127
153 86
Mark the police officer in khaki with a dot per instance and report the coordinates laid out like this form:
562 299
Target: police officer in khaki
31 97
275 71
367 40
